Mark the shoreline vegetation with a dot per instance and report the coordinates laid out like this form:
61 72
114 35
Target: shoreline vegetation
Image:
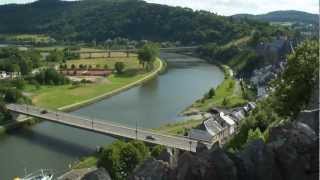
228 94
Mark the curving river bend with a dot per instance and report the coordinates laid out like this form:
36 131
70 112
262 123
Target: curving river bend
157 102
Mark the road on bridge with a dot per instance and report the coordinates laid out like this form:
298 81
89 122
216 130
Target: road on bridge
108 128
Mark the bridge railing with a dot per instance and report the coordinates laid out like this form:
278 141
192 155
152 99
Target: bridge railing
88 123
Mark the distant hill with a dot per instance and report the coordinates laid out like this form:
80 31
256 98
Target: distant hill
283 16
99 20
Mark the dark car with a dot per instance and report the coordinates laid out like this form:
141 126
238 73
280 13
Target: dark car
44 112
150 138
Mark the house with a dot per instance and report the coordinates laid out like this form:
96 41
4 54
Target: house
200 135
231 125
14 75
7 75
3 75
238 114
212 127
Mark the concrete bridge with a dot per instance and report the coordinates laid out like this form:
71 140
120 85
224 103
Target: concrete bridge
108 128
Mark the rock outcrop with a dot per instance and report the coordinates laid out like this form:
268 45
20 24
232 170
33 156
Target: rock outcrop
99 174
290 154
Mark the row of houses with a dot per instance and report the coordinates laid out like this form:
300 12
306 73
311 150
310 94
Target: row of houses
9 75
218 125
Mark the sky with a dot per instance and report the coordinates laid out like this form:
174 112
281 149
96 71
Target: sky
230 7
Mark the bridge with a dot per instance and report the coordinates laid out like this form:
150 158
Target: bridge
108 128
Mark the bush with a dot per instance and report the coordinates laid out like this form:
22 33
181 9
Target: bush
211 93
51 77
156 150
121 158
119 67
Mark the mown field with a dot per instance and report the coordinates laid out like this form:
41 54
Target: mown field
58 96
130 63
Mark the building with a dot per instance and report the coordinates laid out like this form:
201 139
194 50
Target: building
231 125
86 72
3 75
201 135
9 75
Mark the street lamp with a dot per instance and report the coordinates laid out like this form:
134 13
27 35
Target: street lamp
136 129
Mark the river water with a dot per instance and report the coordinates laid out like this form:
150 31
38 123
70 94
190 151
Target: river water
157 102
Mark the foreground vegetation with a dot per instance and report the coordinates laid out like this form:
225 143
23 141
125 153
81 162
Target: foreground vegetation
291 94
120 158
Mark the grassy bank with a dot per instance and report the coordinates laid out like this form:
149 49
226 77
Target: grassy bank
67 96
227 95
179 128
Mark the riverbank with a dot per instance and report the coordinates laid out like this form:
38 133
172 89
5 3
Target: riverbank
108 92
228 94
159 68
68 97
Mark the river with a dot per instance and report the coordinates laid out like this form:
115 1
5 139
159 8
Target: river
157 102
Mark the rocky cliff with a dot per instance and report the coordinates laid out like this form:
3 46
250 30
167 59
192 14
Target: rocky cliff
290 154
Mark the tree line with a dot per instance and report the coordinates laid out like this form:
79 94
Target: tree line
98 21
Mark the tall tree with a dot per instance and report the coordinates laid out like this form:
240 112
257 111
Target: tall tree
147 55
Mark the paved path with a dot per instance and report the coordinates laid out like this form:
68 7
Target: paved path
108 128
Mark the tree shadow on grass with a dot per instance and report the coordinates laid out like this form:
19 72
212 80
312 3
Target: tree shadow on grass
130 72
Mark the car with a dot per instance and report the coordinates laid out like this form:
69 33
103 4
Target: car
150 138
44 112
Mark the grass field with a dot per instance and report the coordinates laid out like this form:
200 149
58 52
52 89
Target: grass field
86 162
228 94
130 63
54 97
179 128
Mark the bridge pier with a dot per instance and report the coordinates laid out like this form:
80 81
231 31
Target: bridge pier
18 117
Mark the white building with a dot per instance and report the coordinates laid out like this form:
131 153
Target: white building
230 123
3 75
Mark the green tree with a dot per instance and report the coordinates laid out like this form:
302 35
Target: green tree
156 150
254 135
119 67
55 56
293 88
121 158
225 101
211 93
147 55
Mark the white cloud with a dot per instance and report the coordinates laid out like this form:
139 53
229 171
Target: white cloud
229 7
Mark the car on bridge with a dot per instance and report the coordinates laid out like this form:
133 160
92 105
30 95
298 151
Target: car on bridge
150 138
44 112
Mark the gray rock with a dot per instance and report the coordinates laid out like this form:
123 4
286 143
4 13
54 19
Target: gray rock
99 174
152 169
256 161
295 147
170 156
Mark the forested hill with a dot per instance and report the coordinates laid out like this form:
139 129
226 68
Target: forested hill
99 20
283 16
